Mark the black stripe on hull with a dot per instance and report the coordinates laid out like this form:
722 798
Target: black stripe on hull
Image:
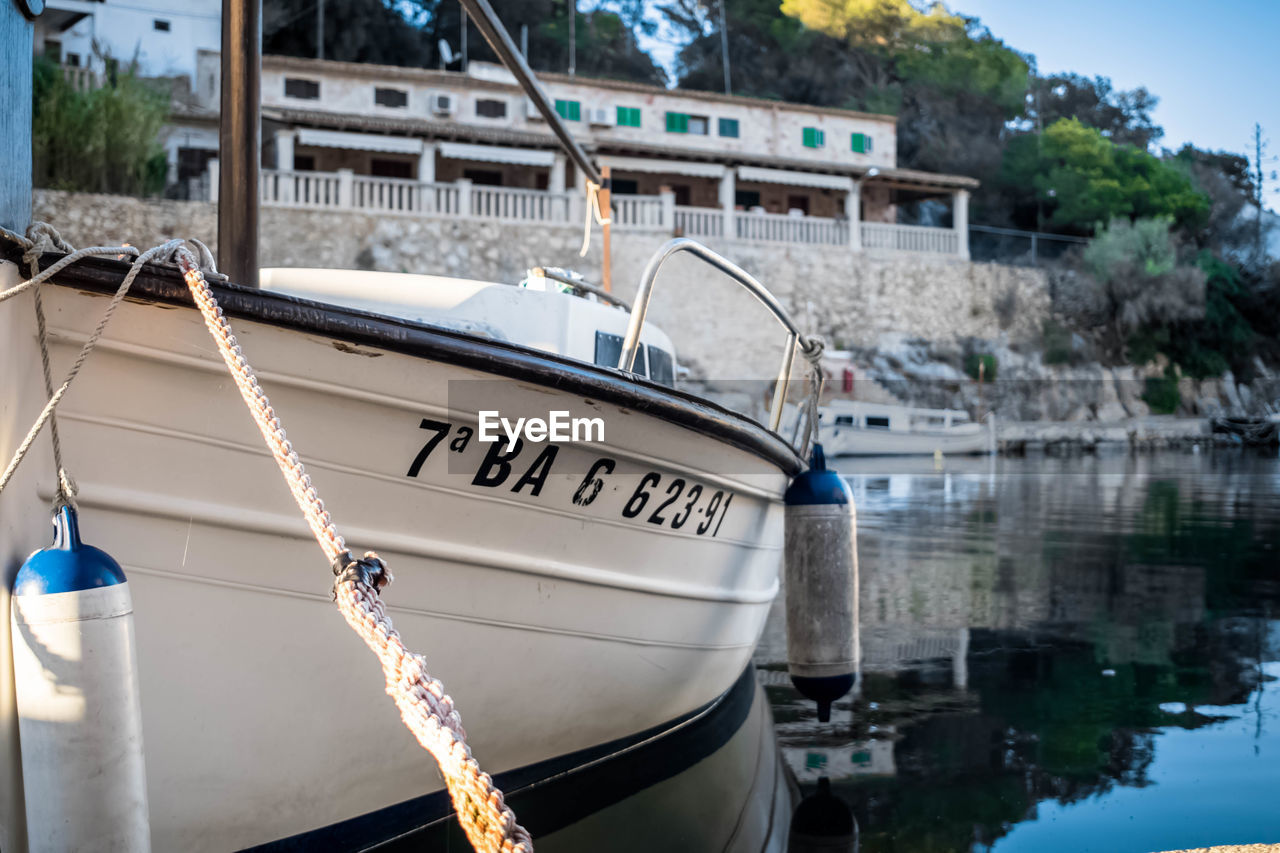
549 795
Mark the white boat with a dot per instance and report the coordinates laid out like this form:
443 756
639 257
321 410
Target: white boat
857 428
572 597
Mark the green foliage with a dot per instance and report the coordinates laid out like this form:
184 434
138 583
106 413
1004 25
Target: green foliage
1057 343
983 363
408 32
99 140
1162 395
1221 339
1080 178
1132 276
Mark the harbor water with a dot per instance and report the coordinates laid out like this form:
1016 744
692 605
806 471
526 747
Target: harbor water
1058 654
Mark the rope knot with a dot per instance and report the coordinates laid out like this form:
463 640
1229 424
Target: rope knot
368 570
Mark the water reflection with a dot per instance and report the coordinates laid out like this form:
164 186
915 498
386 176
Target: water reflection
1058 654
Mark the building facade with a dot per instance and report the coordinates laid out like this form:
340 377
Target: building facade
163 36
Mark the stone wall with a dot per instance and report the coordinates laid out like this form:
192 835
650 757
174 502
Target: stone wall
719 330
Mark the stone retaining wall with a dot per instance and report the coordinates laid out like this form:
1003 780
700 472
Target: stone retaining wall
720 331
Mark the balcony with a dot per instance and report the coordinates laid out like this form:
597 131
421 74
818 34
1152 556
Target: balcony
344 190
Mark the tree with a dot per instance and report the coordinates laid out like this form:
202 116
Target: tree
1079 178
98 140
1133 280
1122 117
409 33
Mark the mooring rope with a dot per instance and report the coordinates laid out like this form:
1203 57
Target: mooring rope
489 824
43 236
811 347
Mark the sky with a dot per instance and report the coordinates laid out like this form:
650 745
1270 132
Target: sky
1213 64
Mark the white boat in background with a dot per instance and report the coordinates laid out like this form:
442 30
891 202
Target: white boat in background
857 428
572 597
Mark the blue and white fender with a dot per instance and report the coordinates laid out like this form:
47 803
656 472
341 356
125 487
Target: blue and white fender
821 585
79 715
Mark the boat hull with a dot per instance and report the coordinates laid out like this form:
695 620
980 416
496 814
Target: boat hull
556 617
872 442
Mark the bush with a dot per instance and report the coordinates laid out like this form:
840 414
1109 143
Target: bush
1057 343
103 140
1162 395
984 360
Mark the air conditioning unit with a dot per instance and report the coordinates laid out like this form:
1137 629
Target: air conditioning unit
531 111
443 104
600 117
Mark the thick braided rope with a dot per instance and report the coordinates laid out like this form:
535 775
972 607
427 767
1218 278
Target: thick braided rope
811 348
424 706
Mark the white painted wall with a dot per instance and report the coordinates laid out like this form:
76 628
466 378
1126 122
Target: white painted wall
123 28
766 128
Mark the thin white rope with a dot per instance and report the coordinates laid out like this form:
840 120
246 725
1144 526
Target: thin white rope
593 210
65 483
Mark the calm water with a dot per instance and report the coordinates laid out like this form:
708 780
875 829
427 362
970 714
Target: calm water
1058 654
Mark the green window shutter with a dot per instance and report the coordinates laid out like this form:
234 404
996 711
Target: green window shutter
860 143
729 127
677 123
628 116
813 137
569 110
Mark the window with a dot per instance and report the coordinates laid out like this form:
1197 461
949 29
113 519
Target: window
483 177
877 422
622 186
662 367
861 143
296 87
194 162
729 128
73 59
844 420
701 125
746 199
683 194
490 108
628 116
381 168
677 123
53 50
160 25
569 110
813 137
798 202
609 350
398 98
304 162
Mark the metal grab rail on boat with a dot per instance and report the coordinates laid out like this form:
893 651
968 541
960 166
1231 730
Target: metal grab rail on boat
581 286
631 344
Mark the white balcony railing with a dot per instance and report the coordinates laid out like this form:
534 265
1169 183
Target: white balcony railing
344 190
700 221
910 238
640 211
518 205
784 228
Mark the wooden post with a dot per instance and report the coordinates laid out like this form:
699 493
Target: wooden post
606 263
15 116
239 141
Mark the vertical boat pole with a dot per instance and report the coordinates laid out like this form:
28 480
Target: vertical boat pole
606 261
239 140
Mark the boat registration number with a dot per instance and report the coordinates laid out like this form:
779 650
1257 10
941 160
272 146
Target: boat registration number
672 502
